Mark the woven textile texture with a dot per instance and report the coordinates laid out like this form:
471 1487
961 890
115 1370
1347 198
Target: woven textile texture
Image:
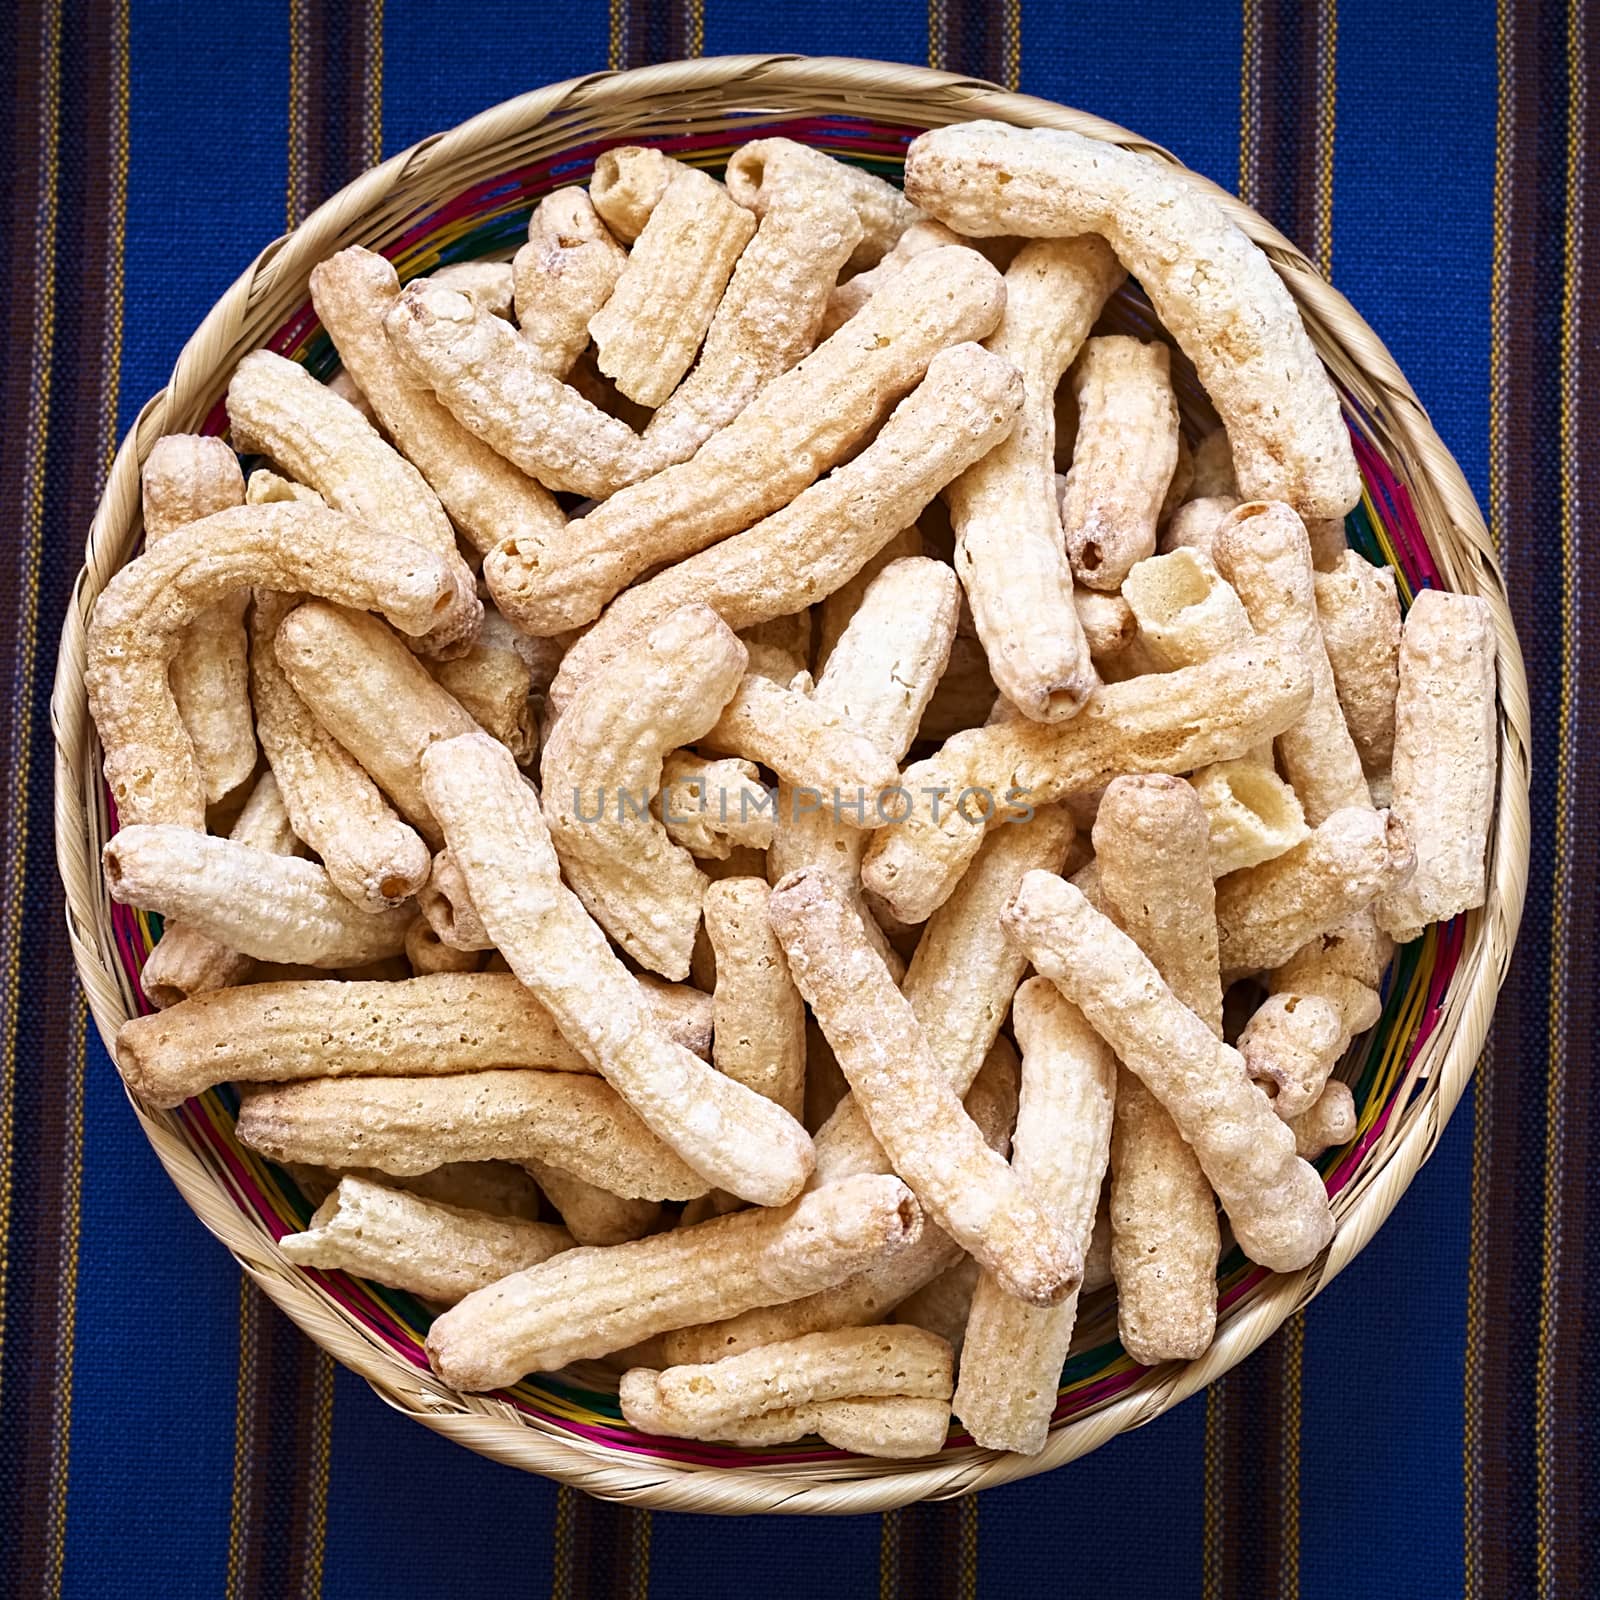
1425 1428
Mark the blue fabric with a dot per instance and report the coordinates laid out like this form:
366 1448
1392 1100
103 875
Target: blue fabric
1381 1502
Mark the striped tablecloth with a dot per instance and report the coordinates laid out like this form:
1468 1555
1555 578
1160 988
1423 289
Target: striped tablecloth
1426 1428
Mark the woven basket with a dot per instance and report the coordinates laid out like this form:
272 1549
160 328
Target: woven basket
467 193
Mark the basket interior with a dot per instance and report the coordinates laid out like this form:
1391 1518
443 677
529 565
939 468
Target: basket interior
490 219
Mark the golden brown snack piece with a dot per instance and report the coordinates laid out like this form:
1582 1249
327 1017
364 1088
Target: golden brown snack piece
186 962
488 282
770 313
730 1135
485 496
143 613
374 859
1332 1120
602 765
1009 552
404 1126
895 1428
648 330
447 905
1277 1205
274 907
628 184
961 979
373 696
1195 524
845 1363
829 531
760 1029
1235 320
1265 913
266 488
943 1306
492 683
964 697
913 1111
1254 815
590 1301
1444 759
1013 1353
186 477
1154 882
563 275
1359 613
436 1251
277 409
884 211
709 807
869 1295
594 1215
818 410
848 297
803 741
420 1027
1263 552
1123 461
1162 722
429 954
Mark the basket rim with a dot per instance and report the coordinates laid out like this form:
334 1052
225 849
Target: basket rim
489 1427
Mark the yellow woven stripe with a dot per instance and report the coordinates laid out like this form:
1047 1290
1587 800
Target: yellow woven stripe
1250 102
294 206
1012 44
243 1444
561 1543
1561 880
373 87
695 44
1327 103
889 1555
639 1543
26 640
1211 1550
619 33
1294 1349
936 34
1472 1400
968 1562
317 1473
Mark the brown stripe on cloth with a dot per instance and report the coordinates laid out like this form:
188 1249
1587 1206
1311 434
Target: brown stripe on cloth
66 204
930 1551
1526 1469
335 97
599 1551
982 38
644 32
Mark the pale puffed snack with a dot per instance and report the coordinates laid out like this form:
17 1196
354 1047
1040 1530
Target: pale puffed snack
1444 759
693 1402
404 1126
489 282
374 858
1154 881
628 184
447 1022
1265 913
277 409
835 611
1123 459
594 1215
1253 814
1292 1043
1108 623
1263 552
1331 1120
1013 1353
848 297
1009 551
1211 467
274 907
651 325
1170 721
447 905
429 954
266 487
186 962
801 424
735 1139
712 806
492 684
602 765
914 1113
1277 1205
484 495
868 1296
1196 523
1234 319
498 1187
760 1019
884 212
144 611
770 314
590 1301
894 1428
961 979
964 697
430 1249
373 696
828 532
562 276
1359 612
943 1306
186 477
